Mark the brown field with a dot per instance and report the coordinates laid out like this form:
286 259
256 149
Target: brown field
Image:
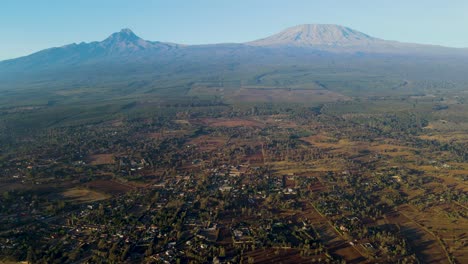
312 168
321 165
256 158
101 159
208 143
317 187
168 134
452 231
110 187
449 127
390 149
285 95
182 121
280 255
84 195
279 120
354 147
234 122
447 137
448 177
426 245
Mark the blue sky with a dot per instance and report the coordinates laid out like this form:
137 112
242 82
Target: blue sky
29 26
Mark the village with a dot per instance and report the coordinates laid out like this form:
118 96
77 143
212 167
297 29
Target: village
224 191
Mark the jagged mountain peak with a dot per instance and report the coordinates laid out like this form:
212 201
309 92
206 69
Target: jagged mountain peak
124 35
127 41
126 31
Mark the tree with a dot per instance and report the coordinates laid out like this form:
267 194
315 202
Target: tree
31 255
102 244
222 252
125 252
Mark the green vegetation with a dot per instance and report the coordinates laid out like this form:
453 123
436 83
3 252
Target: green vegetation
191 180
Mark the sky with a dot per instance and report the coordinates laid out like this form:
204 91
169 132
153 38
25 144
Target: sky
27 26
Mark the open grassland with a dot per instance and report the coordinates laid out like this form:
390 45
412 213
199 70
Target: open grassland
424 243
279 255
285 95
109 187
347 146
441 222
80 195
231 122
165 134
101 159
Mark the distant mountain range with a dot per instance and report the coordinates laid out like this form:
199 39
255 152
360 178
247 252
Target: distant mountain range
325 37
123 59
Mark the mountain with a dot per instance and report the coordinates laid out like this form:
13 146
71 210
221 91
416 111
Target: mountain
126 47
308 35
126 41
336 38
300 56
123 46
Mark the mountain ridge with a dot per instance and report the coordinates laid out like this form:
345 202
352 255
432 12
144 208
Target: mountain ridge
123 57
327 37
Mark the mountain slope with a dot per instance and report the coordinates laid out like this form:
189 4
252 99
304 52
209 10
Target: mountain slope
318 35
340 39
123 45
126 46
298 56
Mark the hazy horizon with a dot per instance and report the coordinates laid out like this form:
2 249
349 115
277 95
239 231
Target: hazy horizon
35 26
